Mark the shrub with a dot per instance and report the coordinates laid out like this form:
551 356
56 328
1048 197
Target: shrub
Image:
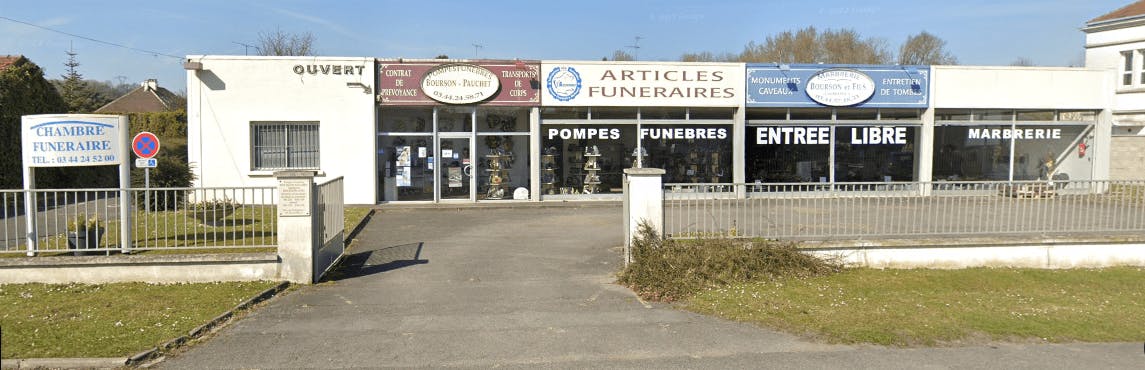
669 270
212 211
80 224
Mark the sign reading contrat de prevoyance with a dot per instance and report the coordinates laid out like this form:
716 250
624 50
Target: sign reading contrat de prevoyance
510 83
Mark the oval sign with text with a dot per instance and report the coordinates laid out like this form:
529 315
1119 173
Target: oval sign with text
460 84
839 87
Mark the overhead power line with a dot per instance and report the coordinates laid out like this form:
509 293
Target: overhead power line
92 39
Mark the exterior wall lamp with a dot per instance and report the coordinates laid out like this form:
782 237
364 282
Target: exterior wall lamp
365 89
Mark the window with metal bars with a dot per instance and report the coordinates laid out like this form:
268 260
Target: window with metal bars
284 145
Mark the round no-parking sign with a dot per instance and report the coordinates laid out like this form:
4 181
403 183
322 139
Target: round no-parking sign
145 145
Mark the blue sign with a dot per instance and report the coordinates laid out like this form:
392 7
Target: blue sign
818 85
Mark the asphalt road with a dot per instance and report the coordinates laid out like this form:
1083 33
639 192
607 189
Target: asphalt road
533 287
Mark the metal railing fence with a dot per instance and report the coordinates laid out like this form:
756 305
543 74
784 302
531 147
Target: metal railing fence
331 219
909 209
331 206
87 221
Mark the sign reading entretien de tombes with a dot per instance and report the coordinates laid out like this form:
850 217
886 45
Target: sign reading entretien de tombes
507 83
817 85
642 84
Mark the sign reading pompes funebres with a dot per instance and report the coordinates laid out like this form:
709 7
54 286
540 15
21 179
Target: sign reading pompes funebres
71 140
640 84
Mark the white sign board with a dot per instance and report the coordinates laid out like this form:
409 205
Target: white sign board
146 163
460 84
642 84
840 87
71 140
294 197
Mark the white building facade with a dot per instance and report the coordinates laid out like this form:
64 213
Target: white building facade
1116 42
504 131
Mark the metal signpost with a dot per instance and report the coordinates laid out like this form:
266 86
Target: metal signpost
72 140
145 145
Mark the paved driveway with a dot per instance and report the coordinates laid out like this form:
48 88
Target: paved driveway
532 287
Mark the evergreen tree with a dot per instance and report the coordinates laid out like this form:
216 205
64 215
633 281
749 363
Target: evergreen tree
75 91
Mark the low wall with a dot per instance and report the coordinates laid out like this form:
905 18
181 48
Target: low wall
171 268
988 252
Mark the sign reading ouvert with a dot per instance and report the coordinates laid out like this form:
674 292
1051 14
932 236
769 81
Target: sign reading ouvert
294 197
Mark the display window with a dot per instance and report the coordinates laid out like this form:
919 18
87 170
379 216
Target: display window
803 153
688 153
417 163
585 159
406 171
406 120
779 154
1039 152
875 153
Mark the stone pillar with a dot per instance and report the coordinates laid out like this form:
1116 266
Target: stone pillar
643 202
296 226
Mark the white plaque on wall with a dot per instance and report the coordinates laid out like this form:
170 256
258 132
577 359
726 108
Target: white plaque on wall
294 197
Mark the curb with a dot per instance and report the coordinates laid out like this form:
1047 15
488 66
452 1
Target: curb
197 332
139 358
358 229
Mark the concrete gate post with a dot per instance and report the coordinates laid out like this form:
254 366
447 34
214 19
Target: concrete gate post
643 202
296 226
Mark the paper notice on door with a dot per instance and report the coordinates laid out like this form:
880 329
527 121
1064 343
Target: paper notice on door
403 176
455 177
447 153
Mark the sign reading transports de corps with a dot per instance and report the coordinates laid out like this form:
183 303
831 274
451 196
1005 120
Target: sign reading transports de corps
631 84
813 85
509 83
71 140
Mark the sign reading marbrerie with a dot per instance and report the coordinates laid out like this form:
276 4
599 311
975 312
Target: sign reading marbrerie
816 85
642 84
71 140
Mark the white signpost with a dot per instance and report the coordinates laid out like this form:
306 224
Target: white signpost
73 140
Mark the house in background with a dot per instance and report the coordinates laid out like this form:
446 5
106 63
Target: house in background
1116 41
148 97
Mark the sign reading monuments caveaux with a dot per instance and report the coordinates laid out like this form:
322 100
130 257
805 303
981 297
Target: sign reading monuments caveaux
294 197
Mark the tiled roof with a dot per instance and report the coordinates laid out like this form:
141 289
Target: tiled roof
8 60
1131 10
144 98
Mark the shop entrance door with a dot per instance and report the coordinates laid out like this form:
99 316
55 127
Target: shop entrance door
455 168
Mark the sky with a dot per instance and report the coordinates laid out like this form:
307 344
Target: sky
151 37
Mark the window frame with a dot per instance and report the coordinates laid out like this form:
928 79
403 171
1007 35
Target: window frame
288 146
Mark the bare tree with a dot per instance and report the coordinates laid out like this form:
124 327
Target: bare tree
808 45
708 56
278 43
1022 62
925 49
621 55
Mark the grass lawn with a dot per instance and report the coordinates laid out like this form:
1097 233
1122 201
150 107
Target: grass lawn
249 228
942 307
108 320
